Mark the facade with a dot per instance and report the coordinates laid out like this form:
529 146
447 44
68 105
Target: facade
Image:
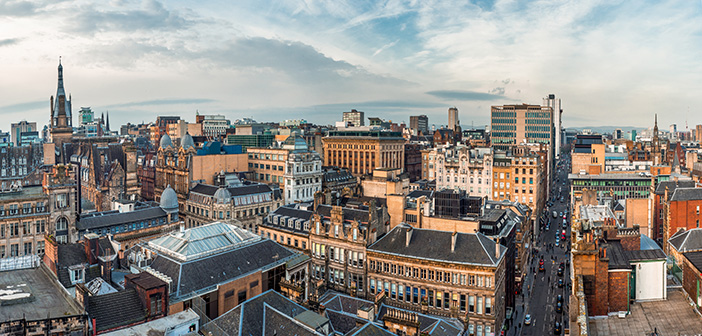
146 174
454 123
217 263
289 225
21 166
356 118
659 198
63 204
555 104
267 164
178 129
214 125
107 172
620 185
361 151
24 220
245 204
514 124
338 237
459 167
338 179
462 275
16 130
384 182
682 211
419 124
413 161
303 171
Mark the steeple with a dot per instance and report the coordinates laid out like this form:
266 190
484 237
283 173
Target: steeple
107 122
61 107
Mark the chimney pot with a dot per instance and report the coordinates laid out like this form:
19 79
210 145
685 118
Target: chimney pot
409 236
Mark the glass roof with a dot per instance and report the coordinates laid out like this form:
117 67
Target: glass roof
202 241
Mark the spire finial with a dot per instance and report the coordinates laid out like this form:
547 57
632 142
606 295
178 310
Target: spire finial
59 60
656 120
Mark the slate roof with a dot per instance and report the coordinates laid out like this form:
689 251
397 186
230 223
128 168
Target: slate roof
687 241
248 318
369 329
343 323
617 258
471 248
116 309
251 189
645 255
418 193
98 220
277 323
695 258
672 185
71 254
349 213
686 194
207 272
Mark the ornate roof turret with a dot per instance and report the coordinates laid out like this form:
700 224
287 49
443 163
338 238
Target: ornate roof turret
169 199
222 196
187 141
165 141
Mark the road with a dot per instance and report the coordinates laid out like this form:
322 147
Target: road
540 288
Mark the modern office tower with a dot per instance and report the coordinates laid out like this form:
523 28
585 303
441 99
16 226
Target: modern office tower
555 104
356 118
453 122
419 123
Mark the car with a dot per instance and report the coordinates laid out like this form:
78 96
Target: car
559 298
563 237
564 217
560 268
559 307
557 329
558 243
527 320
560 282
560 213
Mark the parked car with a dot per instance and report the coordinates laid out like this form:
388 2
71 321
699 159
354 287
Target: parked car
527 320
560 282
557 329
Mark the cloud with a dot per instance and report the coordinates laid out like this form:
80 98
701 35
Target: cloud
152 15
467 95
17 8
500 91
378 105
27 106
381 49
7 42
164 102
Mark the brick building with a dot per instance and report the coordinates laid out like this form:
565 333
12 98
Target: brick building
682 211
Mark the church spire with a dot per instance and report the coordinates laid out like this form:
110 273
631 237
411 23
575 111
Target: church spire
107 123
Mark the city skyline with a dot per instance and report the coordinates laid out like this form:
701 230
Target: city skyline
615 62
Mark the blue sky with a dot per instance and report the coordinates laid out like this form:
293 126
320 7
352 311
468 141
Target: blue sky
611 62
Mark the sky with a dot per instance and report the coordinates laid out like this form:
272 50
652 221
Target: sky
611 62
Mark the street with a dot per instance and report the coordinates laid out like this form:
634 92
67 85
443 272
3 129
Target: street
540 289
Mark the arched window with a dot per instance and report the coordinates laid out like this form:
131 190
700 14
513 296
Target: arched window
62 224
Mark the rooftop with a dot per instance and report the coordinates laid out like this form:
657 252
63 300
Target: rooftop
610 176
687 194
595 213
203 240
24 193
470 248
48 298
687 241
159 326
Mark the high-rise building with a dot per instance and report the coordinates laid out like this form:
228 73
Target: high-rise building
419 124
356 118
453 121
673 132
16 130
87 115
213 125
698 133
555 105
617 134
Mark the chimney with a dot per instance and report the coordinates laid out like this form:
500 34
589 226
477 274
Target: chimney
497 250
106 265
409 236
454 235
90 241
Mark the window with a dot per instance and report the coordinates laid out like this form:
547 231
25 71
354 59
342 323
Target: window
463 303
488 306
479 310
439 299
471 304
241 297
27 248
76 275
156 304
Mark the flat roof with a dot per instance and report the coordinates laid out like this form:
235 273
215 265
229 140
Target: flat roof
610 176
50 298
25 193
159 326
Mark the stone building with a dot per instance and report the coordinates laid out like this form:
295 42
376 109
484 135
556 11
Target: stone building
24 220
338 237
181 165
303 171
361 151
459 167
146 174
247 203
338 179
21 166
62 189
461 275
385 181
